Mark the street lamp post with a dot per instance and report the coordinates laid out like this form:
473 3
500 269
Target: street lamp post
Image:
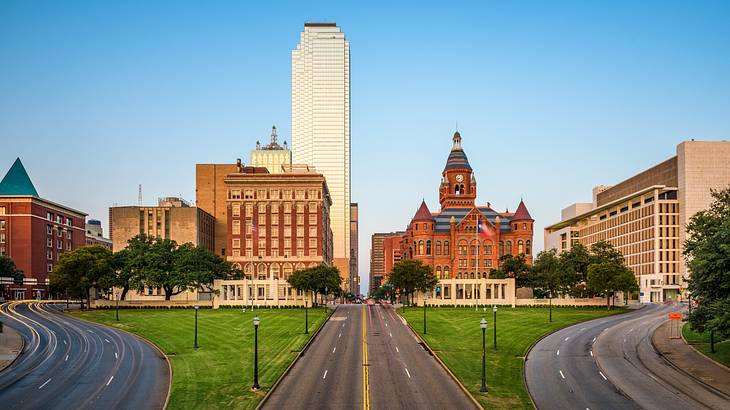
256 322
494 309
195 345
306 317
116 298
483 325
425 298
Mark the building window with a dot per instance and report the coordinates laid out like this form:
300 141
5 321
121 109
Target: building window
528 251
438 272
447 249
49 268
49 242
49 229
312 231
520 248
236 208
68 235
2 210
447 275
236 243
49 216
312 243
501 248
68 246
524 226
420 247
236 225
428 247
49 255
488 250
438 247
68 221
59 244
2 224
509 247
2 250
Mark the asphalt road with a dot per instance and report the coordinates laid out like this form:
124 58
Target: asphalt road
69 363
609 363
386 369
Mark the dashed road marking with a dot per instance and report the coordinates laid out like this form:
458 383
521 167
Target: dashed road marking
107 340
591 353
116 356
558 352
340 334
396 349
602 375
408 373
44 384
110 380
325 375
594 340
391 335
566 339
561 374
64 342
333 350
66 359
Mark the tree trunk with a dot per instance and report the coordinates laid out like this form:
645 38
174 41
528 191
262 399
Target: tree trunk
125 289
168 293
608 302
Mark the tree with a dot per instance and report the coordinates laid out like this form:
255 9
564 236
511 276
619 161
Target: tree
8 268
197 267
82 269
320 279
549 274
302 280
608 277
603 251
707 251
577 260
514 266
409 276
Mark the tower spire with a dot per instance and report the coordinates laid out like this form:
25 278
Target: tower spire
273 135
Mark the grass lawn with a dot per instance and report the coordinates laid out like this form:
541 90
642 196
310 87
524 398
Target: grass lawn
220 373
454 334
701 342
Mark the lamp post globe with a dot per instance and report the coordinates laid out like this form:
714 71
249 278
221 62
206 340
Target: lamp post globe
483 325
256 322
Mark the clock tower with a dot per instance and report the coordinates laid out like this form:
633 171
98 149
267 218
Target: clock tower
458 185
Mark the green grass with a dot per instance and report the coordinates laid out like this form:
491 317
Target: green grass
701 342
220 373
454 334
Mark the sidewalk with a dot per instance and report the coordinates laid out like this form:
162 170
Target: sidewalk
11 344
697 365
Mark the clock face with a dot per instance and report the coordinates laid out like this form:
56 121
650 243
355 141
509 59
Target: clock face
459 178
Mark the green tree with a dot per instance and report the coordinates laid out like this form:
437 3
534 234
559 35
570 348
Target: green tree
8 268
550 275
320 279
197 267
303 280
608 277
410 275
576 261
707 251
514 266
82 269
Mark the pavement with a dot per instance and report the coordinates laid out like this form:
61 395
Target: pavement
366 357
71 363
610 363
683 356
11 343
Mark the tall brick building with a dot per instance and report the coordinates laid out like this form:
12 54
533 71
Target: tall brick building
34 232
464 240
385 251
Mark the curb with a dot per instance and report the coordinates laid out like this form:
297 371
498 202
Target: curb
698 352
167 359
527 352
683 371
443 365
296 359
20 352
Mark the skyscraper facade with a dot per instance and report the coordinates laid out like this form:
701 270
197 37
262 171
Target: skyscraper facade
321 122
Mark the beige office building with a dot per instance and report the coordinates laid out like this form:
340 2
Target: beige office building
172 218
321 122
645 216
273 156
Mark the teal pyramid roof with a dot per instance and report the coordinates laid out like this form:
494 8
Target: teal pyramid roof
17 181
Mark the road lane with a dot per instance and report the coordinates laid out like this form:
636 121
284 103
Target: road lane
70 363
337 351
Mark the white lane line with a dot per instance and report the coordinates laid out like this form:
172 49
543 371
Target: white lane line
325 375
116 356
64 342
582 328
340 334
391 335
602 375
594 340
561 374
66 359
408 373
110 380
333 350
566 339
44 384
386 325
107 340
396 349
624 340
558 352
591 353
90 331
631 330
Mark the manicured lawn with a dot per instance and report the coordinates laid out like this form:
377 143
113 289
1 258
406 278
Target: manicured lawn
454 334
219 375
701 342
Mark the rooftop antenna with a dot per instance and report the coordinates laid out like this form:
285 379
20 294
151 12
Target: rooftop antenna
139 196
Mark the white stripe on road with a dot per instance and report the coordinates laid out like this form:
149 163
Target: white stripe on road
340 334
396 349
594 339
64 342
566 339
107 340
601 373
408 373
333 350
558 352
391 335
44 384
90 331
325 375
66 359
116 356
591 353
110 380
561 374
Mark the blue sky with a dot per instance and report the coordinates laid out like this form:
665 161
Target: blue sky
97 97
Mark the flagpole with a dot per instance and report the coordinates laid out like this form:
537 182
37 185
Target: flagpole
477 248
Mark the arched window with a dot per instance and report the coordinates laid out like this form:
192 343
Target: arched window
420 247
509 247
447 275
261 271
274 271
528 250
287 270
438 272
520 247
462 248
457 190
438 247
447 249
488 248
428 247
236 266
501 248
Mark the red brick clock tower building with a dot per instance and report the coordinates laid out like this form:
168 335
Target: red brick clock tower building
465 240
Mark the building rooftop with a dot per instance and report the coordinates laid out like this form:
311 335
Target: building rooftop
457 156
17 181
522 213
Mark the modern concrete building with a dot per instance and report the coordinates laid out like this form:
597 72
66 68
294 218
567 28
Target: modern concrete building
95 234
645 216
354 285
272 156
385 251
173 218
320 104
34 233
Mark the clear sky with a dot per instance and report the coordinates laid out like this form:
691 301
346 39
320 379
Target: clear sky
97 97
